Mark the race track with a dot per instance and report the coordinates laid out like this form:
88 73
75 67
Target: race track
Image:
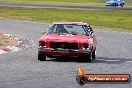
22 69
63 6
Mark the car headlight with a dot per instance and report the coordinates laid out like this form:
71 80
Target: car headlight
42 43
85 46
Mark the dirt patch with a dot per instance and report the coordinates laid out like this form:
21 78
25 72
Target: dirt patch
6 40
10 43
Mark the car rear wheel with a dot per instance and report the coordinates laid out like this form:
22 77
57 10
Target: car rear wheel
41 56
122 5
93 55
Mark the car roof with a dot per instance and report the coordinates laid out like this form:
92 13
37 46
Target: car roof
76 23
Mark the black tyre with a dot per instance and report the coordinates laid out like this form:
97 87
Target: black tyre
88 58
41 56
122 5
93 55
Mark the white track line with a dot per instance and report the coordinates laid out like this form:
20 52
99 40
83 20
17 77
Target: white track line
107 60
129 61
112 60
100 59
13 48
1 52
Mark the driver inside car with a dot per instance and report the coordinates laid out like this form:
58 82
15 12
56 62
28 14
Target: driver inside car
61 29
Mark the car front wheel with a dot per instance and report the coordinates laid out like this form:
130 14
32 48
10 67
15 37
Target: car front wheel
94 55
41 56
88 58
114 4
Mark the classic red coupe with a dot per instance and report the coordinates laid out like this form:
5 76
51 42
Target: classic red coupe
72 39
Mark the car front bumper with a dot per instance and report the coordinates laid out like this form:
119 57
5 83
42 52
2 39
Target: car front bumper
64 52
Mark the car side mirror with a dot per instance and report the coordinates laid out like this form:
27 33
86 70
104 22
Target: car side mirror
43 32
91 32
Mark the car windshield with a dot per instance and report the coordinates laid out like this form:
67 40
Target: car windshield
69 29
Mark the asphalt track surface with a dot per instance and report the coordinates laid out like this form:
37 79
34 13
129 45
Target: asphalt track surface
63 6
22 69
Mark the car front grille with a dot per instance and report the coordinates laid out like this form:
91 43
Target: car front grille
63 45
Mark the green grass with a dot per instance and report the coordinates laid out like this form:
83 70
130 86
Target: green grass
117 20
67 2
76 2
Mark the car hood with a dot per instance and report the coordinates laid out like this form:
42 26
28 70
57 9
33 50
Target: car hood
65 38
109 1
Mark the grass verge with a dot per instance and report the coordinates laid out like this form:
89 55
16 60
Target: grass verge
68 2
117 20
65 2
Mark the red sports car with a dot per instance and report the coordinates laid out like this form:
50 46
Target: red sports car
72 39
